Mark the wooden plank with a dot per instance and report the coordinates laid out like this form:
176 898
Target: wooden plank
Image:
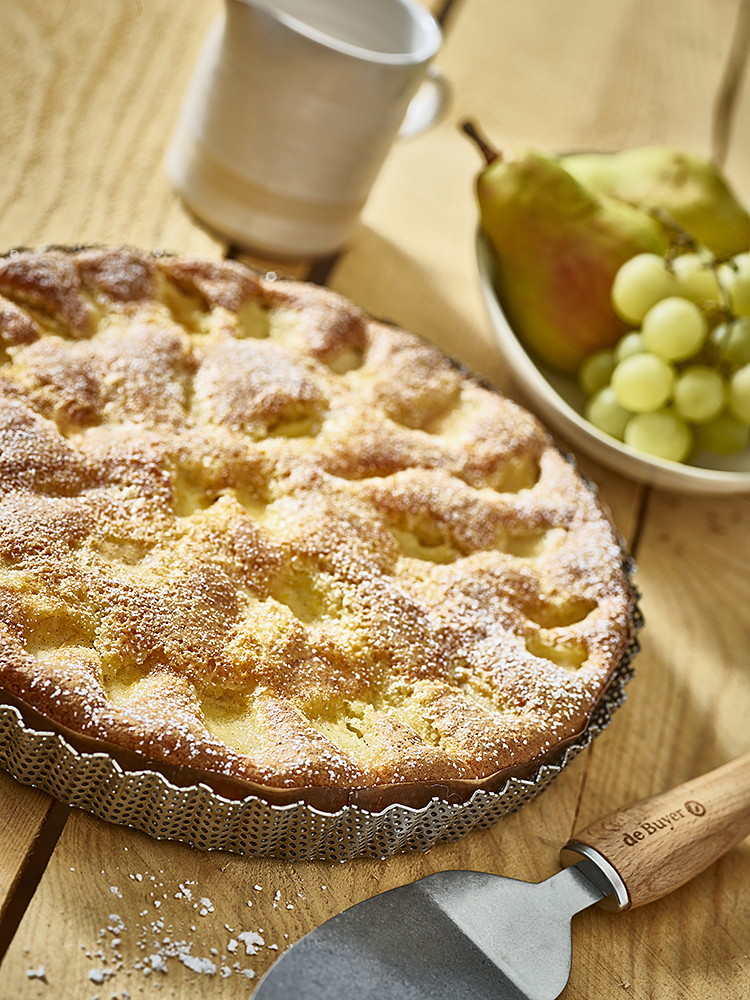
589 74
89 99
23 812
687 715
81 92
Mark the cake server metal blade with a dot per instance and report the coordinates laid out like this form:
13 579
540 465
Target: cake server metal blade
452 935
459 935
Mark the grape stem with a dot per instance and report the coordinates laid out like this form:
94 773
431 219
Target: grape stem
679 239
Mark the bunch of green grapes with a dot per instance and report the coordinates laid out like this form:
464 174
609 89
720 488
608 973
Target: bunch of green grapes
679 381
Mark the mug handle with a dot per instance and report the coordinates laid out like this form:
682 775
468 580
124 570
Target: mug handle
427 105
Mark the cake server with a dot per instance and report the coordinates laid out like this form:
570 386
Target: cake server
459 935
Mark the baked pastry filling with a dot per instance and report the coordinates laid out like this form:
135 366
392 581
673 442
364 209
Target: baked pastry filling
245 527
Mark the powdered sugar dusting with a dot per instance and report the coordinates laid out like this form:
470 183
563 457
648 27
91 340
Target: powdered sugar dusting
428 521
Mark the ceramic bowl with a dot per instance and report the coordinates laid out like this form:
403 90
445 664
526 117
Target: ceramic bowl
559 402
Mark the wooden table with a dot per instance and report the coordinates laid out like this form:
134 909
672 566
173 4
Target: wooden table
89 94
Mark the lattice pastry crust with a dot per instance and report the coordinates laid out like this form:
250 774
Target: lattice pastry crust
247 529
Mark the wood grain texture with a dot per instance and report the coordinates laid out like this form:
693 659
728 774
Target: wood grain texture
89 98
90 92
587 74
23 812
686 714
658 844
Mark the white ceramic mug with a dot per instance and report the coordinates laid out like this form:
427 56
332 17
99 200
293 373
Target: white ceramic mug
291 110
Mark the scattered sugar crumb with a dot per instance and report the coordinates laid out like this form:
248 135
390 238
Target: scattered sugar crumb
203 965
157 948
252 941
39 973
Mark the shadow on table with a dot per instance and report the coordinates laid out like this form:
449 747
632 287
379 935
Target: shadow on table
392 286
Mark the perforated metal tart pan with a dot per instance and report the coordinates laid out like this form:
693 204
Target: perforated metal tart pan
174 804
212 812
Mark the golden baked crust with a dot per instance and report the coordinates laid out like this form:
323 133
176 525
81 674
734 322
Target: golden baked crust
248 529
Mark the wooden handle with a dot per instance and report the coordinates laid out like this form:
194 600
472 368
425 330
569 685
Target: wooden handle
658 844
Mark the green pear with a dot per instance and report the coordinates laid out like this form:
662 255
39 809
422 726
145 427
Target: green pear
688 188
558 248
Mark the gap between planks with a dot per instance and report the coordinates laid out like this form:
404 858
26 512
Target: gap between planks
31 872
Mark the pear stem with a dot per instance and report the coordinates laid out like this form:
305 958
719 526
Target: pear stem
473 132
